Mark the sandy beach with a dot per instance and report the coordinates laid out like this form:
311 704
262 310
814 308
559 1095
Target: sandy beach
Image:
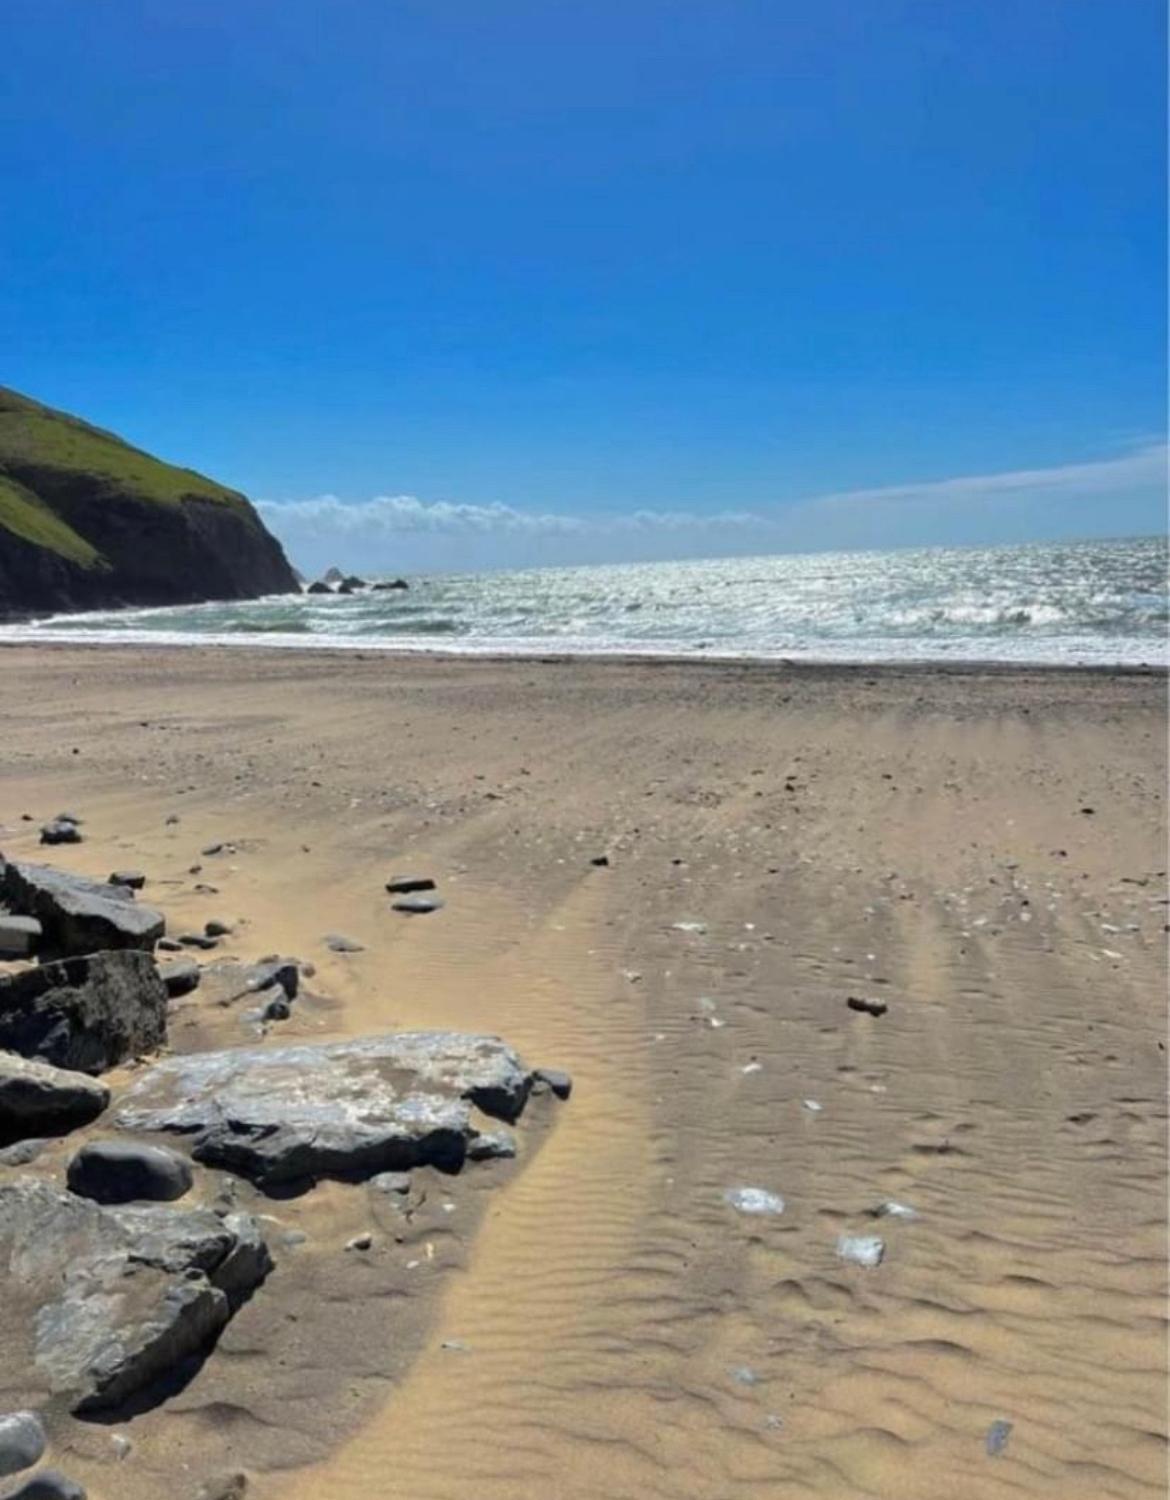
980 851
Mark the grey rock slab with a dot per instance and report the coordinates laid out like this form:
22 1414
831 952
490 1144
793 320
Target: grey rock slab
22 1153
286 1114
85 1013
49 1484
79 915
37 1099
200 940
127 1172
227 980
101 1302
403 885
19 936
22 1441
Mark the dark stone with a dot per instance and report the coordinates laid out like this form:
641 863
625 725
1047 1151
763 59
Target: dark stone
180 978
79 915
58 832
600 861
199 940
867 1006
491 1145
125 1172
22 1441
227 980
224 1487
49 1484
394 583
415 906
277 1008
284 1114
354 582
217 929
403 885
318 588
555 1079
85 1013
37 1099
169 945
133 880
101 1303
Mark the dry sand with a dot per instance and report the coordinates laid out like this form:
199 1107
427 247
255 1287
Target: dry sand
983 851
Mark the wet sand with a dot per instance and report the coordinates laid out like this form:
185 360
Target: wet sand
983 851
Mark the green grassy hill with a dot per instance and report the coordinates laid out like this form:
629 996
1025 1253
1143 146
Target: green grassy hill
88 521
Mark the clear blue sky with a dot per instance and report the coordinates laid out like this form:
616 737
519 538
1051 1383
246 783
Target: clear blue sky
546 263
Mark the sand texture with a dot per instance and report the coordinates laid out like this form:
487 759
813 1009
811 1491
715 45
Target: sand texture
981 852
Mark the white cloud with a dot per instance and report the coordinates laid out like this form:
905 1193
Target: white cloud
404 532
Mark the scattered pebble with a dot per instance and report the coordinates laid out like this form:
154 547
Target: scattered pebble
403 885
688 927
753 1200
415 906
133 880
892 1210
813 1106
997 1437
336 942
361 1241
861 1249
868 1006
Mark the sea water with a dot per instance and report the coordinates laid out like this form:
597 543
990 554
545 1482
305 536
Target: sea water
1086 603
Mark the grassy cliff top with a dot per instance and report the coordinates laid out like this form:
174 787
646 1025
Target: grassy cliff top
37 442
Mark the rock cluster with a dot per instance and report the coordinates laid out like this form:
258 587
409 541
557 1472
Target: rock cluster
113 1292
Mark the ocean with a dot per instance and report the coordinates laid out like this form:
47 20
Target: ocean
1071 603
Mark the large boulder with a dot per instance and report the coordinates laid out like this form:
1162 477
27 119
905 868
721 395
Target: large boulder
341 1109
85 1013
78 915
99 1303
37 1099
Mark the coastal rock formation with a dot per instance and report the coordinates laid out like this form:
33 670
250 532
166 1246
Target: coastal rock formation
85 1013
126 1172
78 915
89 522
101 1302
37 1099
356 1108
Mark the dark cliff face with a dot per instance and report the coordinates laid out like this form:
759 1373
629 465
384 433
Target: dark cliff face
135 531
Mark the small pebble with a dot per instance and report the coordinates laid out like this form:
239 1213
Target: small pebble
753 1200
861 1249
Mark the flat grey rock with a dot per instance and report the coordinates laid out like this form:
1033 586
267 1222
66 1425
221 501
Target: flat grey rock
79 915
37 1099
417 906
180 978
19 936
555 1079
22 1441
286 1114
403 885
22 1153
128 1172
337 942
200 940
85 1013
49 1484
102 1302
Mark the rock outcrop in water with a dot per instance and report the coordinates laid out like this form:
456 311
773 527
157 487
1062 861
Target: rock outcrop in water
88 522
